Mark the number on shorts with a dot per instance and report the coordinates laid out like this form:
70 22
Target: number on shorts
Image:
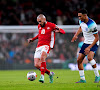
47 47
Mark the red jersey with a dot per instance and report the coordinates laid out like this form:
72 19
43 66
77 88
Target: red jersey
46 35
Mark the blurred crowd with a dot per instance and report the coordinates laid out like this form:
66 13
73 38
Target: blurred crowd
61 12
14 48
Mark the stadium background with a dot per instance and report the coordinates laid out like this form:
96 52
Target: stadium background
16 53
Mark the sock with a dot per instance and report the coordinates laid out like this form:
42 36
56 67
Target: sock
81 72
50 74
42 76
96 72
43 68
47 71
93 62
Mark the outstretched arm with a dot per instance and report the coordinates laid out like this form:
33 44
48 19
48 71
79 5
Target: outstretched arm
76 34
59 30
32 39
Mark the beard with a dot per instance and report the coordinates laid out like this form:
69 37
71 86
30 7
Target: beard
83 20
43 24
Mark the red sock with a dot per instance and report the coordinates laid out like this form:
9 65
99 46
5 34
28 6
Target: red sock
43 67
47 71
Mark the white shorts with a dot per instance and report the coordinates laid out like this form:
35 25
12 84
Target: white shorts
40 49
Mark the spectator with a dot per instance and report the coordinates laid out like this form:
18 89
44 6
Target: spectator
24 12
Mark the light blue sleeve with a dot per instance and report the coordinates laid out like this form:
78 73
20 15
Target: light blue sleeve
80 44
80 21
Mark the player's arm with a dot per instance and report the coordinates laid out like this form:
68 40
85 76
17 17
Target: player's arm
32 39
87 50
59 30
76 34
95 40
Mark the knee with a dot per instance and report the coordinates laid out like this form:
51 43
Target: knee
43 56
37 66
79 61
89 58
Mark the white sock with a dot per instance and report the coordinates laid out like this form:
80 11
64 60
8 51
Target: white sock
42 76
81 72
96 72
93 62
50 74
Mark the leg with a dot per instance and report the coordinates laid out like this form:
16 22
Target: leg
80 67
37 63
43 62
85 61
93 63
91 60
43 66
80 60
44 69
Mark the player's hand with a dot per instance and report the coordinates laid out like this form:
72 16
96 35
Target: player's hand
30 40
87 50
74 38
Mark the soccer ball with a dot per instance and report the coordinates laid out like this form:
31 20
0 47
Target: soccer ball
31 76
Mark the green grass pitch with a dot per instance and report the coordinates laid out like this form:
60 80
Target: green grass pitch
17 80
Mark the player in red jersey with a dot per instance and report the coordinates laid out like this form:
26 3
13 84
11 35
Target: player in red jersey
46 41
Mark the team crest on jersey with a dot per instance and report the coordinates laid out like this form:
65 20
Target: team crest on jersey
86 29
48 27
39 27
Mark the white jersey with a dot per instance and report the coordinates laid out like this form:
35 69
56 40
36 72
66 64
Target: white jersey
88 30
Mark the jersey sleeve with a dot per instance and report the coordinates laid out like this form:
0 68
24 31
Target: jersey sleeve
53 26
93 28
36 37
62 31
80 21
80 44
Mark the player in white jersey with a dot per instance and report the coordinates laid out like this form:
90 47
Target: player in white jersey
91 42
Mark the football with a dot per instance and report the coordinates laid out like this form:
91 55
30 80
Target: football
31 76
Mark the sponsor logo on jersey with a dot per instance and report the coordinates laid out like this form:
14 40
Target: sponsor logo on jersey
48 28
